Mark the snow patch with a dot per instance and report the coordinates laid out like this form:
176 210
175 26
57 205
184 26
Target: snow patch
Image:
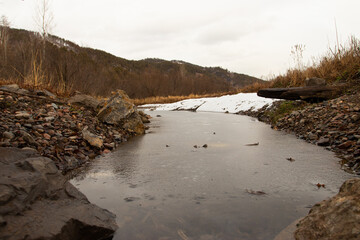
229 103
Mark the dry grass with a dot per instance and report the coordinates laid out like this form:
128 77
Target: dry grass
37 80
172 99
341 64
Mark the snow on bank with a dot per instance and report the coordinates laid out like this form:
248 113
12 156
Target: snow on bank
229 103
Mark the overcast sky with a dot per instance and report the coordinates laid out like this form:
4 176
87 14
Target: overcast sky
252 37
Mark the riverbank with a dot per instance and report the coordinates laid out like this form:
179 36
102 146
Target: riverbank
68 131
42 137
333 124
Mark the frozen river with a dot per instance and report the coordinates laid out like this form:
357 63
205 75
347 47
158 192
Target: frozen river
161 187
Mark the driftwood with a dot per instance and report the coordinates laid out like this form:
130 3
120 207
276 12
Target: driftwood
314 93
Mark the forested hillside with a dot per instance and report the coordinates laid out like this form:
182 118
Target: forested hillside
61 65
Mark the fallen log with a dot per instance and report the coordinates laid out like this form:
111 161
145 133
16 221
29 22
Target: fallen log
310 94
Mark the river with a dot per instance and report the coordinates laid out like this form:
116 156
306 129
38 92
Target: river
161 187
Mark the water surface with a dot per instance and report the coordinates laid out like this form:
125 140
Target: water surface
161 187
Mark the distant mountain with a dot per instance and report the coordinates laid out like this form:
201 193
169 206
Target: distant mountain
65 66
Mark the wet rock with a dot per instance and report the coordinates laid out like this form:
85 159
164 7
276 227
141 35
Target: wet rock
336 218
92 139
45 205
120 111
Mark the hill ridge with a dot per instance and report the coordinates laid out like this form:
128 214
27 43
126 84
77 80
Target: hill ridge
65 66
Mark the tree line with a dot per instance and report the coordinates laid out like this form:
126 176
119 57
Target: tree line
34 59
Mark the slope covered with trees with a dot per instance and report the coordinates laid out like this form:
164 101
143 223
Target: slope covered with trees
65 67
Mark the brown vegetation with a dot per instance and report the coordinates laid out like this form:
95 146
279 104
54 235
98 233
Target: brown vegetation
64 67
172 99
338 65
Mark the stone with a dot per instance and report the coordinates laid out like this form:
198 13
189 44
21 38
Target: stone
49 119
346 145
309 82
28 138
47 136
85 100
8 135
335 218
10 88
92 139
312 136
22 114
45 205
119 110
22 91
109 145
323 141
45 92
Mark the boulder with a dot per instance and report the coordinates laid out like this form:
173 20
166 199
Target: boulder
120 111
336 218
85 100
37 202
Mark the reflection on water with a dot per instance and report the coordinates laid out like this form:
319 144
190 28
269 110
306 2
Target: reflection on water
161 187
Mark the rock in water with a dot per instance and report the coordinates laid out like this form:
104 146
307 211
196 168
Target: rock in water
119 110
36 202
336 218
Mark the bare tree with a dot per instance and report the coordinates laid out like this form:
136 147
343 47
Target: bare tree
4 36
44 20
44 17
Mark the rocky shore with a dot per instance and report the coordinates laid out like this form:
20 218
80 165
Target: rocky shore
37 202
333 124
43 137
72 131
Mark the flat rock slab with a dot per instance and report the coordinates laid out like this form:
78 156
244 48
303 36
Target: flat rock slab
302 93
37 202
